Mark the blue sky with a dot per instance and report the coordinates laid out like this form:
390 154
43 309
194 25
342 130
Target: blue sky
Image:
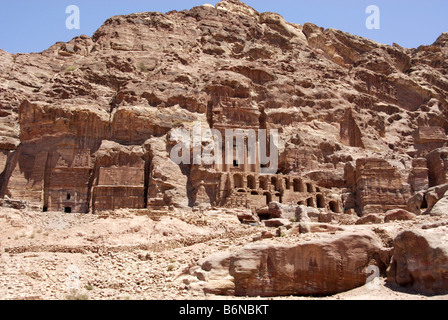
33 26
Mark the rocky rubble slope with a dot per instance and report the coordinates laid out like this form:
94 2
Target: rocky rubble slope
143 254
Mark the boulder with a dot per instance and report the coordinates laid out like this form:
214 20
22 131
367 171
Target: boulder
302 213
398 215
324 266
303 227
277 210
370 219
310 227
441 207
433 195
420 261
325 217
415 203
246 216
275 223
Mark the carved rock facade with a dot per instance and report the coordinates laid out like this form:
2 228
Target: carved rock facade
86 125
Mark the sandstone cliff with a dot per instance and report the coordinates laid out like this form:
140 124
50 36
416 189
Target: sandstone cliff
85 125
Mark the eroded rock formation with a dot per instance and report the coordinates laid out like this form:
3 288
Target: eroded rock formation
420 261
320 267
86 125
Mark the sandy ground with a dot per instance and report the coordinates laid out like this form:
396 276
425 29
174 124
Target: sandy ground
130 254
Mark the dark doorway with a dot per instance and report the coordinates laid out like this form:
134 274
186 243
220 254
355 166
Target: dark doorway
424 204
68 196
333 206
68 209
45 209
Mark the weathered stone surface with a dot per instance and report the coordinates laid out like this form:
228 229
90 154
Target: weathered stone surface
310 268
420 261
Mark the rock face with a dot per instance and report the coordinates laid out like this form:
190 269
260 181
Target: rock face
86 125
320 267
379 186
420 261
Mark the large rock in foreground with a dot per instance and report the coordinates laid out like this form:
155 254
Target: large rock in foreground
420 261
324 266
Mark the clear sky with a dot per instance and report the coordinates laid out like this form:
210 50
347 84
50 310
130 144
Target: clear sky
33 26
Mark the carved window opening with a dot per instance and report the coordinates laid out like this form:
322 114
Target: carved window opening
320 201
263 184
310 202
274 183
288 184
333 206
280 198
251 182
297 184
238 181
309 187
